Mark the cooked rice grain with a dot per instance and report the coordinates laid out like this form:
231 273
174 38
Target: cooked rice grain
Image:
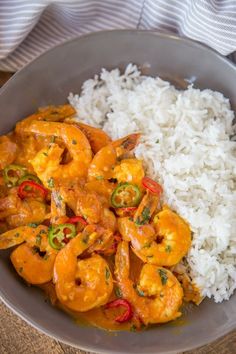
186 147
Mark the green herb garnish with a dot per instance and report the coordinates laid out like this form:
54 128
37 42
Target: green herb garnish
118 292
163 276
107 273
144 218
147 245
53 138
85 238
51 183
33 224
133 328
140 292
38 240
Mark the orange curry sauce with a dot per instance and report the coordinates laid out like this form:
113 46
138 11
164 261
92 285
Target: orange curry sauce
88 226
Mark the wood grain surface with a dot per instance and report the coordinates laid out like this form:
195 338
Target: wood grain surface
17 337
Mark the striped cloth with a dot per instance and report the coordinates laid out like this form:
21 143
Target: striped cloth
28 28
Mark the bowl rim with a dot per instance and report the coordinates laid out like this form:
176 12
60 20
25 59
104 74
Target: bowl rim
166 35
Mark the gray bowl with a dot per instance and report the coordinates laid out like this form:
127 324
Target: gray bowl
48 80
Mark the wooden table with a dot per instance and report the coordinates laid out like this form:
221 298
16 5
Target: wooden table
17 337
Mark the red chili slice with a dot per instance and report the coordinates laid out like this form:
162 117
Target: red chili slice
127 315
30 189
76 219
128 209
152 186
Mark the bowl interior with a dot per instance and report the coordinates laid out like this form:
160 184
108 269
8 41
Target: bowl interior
48 80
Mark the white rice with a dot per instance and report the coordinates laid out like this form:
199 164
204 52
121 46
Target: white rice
186 146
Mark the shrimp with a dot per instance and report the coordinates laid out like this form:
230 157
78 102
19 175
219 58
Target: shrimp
33 259
104 161
103 242
104 171
191 291
86 204
58 208
168 244
47 161
19 212
50 113
8 150
156 297
82 284
146 208
129 170
96 137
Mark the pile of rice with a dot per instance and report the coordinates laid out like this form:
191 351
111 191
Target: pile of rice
186 147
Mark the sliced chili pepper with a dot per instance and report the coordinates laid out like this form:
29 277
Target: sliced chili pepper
29 177
60 235
31 189
12 173
127 315
76 219
112 249
152 186
126 211
125 195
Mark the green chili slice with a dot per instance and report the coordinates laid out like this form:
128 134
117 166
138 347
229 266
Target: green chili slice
12 173
29 177
125 195
60 235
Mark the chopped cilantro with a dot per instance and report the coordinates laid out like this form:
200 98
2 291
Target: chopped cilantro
146 213
51 183
168 249
20 269
133 328
107 273
74 142
33 224
45 153
118 292
85 238
99 178
140 292
38 240
163 276
53 139
46 257
17 234
147 245
157 141
144 218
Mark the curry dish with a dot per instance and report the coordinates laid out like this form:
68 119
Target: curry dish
88 226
